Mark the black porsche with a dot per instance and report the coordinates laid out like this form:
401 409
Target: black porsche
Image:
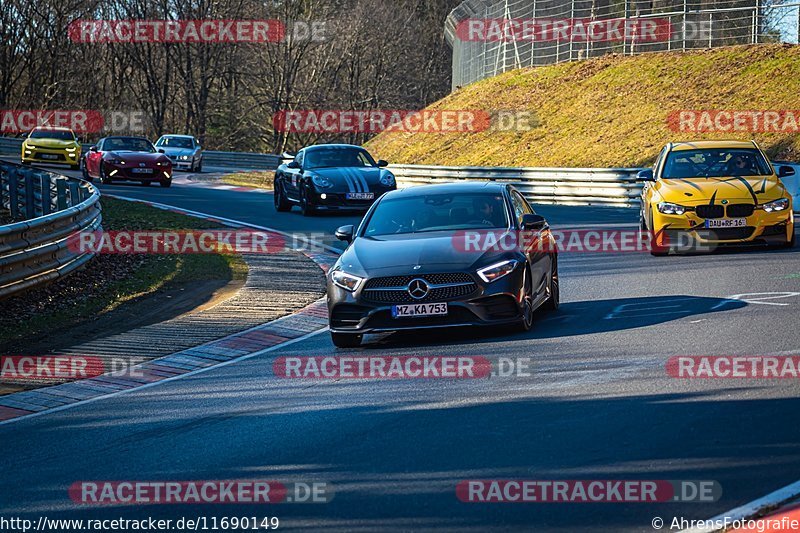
331 177
407 265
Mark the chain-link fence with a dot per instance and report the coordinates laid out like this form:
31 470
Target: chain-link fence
492 36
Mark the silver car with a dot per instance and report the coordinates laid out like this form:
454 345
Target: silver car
184 151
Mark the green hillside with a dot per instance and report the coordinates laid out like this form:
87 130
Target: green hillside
611 111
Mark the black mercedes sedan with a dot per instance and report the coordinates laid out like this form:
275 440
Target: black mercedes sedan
331 177
441 256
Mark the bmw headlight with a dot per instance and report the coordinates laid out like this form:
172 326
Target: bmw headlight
671 209
346 281
777 205
498 270
387 180
322 183
184 158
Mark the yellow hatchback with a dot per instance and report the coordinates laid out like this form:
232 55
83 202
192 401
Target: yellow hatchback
52 145
703 194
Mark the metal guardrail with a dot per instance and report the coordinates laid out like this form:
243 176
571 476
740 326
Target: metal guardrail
566 186
47 209
12 146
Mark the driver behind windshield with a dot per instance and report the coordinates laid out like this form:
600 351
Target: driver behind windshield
742 165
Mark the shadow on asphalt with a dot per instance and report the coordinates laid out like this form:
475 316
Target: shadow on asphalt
576 318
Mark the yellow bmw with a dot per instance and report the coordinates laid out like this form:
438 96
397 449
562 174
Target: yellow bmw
51 145
703 194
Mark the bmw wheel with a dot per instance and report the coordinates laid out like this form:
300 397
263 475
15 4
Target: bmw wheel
346 340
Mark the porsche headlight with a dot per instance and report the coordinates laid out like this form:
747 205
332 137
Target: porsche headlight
671 209
387 180
346 281
777 205
498 270
322 183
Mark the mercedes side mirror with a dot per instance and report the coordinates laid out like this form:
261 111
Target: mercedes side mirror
345 233
645 175
533 222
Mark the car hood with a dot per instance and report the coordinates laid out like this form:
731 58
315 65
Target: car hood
398 254
698 191
50 143
177 151
138 157
354 177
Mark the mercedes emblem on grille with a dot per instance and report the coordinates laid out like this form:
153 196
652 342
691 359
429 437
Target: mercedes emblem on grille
418 288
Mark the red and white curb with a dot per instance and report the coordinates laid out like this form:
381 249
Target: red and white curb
237 347
757 508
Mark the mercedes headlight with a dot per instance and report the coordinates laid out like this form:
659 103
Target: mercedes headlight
671 209
387 180
322 183
346 281
498 270
777 205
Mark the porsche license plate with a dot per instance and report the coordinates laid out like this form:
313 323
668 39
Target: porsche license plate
142 170
414 310
726 223
360 195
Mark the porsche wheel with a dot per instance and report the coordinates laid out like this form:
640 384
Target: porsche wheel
282 204
305 206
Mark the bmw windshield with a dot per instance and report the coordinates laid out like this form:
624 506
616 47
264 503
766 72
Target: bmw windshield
437 212
684 164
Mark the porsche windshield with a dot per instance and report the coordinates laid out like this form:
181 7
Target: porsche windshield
717 163
437 212
338 157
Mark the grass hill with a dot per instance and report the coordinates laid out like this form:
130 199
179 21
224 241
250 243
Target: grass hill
611 111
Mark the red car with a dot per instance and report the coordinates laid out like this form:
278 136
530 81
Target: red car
127 159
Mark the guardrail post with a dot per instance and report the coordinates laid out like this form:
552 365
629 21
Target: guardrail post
61 194
30 202
46 199
13 199
74 195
